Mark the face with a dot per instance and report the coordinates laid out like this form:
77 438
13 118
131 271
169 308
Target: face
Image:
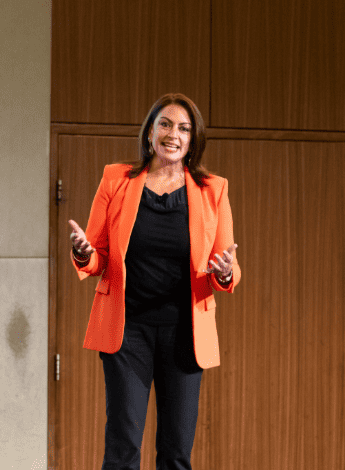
171 134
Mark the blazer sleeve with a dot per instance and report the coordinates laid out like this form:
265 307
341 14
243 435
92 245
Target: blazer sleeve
97 231
224 239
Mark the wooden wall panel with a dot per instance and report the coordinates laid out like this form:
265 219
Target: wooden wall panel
278 64
281 334
277 402
112 60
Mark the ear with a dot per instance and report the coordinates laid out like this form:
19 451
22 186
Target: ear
150 132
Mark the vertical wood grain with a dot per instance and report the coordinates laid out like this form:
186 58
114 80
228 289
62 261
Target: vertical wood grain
282 333
112 60
277 400
80 393
278 65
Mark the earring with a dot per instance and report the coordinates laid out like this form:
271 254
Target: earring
151 146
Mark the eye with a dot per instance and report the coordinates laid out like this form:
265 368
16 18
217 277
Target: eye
183 128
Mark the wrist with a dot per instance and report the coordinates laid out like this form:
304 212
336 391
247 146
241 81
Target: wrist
78 257
224 279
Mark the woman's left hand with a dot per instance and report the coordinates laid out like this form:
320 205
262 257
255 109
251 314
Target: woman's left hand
225 264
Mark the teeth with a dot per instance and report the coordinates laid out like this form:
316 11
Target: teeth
172 146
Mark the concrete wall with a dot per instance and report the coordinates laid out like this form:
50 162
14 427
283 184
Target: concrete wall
25 27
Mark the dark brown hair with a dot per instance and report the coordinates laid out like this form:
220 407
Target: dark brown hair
197 144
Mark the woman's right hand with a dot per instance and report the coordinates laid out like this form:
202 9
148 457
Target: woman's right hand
79 240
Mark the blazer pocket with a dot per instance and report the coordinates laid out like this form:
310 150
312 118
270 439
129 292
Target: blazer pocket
210 302
103 286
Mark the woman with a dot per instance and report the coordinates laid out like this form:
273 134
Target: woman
153 316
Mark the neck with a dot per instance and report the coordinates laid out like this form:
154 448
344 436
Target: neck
171 171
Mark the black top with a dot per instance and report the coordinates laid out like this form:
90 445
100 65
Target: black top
158 290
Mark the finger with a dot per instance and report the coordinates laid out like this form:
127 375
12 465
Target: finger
225 262
74 225
220 260
79 245
227 256
225 265
89 252
232 248
208 269
84 246
87 248
216 267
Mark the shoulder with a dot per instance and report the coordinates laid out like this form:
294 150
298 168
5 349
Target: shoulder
115 170
216 183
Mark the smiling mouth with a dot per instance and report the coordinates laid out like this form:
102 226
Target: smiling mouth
172 146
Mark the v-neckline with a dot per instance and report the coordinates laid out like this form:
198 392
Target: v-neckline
159 195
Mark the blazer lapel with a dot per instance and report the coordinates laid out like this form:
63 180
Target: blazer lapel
130 208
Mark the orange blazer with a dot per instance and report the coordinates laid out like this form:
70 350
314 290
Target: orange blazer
112 217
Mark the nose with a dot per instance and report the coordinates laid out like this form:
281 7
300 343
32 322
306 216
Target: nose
174 131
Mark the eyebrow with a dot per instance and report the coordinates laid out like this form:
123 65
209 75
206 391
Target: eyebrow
171 120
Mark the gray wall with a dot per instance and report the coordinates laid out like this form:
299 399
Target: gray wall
24 215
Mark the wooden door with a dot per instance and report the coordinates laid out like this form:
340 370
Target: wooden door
80 392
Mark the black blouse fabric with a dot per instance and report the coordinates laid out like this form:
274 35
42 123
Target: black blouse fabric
158 290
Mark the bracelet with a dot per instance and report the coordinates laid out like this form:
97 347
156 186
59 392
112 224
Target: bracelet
226 280
85 261
80 261
80 258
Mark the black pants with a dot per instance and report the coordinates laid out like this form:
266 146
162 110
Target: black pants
164 354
